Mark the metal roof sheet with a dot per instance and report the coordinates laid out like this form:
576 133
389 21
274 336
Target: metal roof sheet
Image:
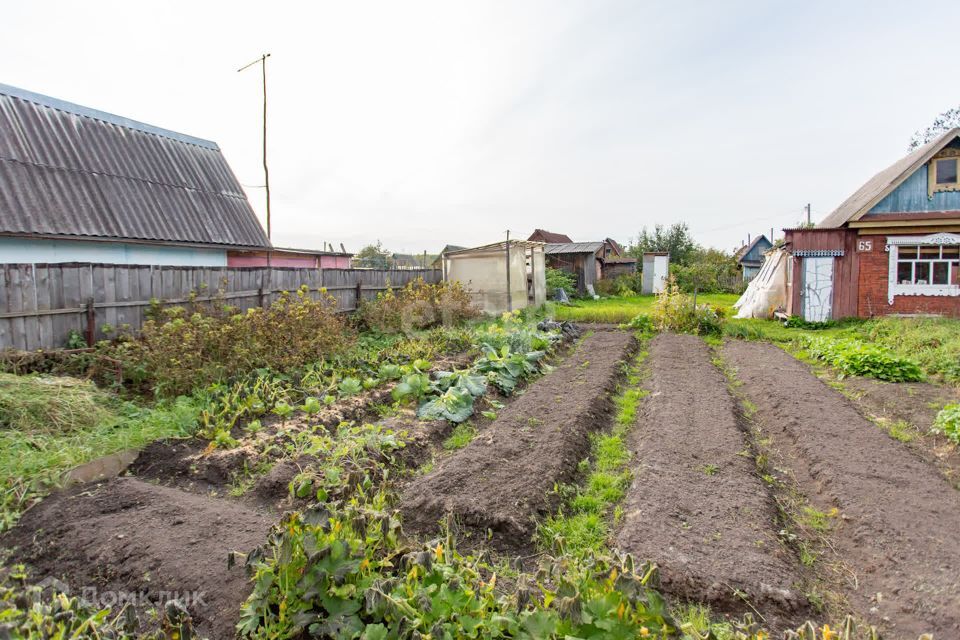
67 170
574 247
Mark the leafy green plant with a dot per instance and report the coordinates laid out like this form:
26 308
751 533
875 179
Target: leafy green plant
345 571
413 386
676 311
559 279
640 322
455 404
460 437
947 422
349 387
505 369
76 340
389 372
857 358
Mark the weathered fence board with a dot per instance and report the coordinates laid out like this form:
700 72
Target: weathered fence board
40 304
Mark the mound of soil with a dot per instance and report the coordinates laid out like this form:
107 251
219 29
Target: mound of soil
503 479
135 538
696 507
899 516
917 404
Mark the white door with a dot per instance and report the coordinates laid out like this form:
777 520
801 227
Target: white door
817 289
661 265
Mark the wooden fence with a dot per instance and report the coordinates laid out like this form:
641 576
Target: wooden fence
40 304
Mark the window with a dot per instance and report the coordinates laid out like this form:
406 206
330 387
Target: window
924 265
944 172
928 264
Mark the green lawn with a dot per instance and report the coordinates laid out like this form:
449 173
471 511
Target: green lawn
624 309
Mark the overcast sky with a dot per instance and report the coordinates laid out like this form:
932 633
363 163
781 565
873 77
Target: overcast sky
427 123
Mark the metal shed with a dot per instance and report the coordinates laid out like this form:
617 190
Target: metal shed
502 276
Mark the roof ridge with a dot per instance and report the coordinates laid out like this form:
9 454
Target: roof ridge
104 116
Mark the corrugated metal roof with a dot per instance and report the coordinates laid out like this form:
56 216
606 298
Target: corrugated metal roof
854 207
574 247
67 170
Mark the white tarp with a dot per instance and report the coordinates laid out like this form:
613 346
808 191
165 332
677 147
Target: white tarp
767 292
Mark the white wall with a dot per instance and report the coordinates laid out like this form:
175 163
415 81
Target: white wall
484 275
29 250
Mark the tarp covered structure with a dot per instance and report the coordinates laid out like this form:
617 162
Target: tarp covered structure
767 292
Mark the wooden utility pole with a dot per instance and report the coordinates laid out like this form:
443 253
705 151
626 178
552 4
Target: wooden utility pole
808 214
266 171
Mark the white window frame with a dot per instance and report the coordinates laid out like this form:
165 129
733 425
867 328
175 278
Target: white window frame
894 288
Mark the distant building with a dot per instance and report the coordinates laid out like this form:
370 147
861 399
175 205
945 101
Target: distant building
438 261
540 235
284 257
616 262
80 185
750 256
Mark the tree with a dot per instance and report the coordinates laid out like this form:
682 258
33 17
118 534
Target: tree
676 241
947 120
373 256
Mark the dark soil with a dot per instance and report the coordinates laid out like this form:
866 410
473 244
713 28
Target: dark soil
899 517
915 404
504 479
135 537
696 507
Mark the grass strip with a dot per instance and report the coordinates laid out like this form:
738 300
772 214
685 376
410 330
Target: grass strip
584 526
49 425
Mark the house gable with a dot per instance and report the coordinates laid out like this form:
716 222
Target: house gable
913 196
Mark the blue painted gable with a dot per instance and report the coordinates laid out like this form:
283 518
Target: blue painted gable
911 196
755 255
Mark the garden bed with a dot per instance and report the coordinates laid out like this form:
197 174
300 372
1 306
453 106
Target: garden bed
907 411
503 480
696 507
896 516
125 537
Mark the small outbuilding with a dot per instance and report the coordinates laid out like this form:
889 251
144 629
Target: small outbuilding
500 277
583 260
656 269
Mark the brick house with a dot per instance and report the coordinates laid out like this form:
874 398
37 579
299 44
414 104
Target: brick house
893 247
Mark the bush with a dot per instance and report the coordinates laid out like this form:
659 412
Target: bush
856 358
622 285
675 311
179 351
948 423
559 279
418 305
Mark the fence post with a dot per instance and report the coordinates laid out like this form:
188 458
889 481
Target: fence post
91 322
260 299
356 305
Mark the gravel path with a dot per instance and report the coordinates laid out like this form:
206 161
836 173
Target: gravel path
696 506
900 517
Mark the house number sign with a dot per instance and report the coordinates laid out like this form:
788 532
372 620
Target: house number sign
864 245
